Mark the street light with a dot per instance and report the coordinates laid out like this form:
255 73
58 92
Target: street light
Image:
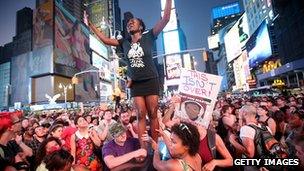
65 90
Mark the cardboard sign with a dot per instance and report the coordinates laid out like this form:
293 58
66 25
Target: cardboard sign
198 92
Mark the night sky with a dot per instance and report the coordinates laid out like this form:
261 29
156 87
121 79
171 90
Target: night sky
194 16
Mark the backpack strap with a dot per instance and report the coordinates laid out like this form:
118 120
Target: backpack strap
266 122
211 142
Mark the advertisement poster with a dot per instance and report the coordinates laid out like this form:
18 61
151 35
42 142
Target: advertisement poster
43 25
198 92
72 53
173 66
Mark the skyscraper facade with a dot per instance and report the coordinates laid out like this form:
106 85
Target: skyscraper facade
24 20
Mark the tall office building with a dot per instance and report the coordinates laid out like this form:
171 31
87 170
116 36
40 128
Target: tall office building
289 33
24 20
5 84
257 11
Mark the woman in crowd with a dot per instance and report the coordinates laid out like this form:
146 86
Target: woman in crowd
210 145
265 119
47 147
144 81
83 143
183 149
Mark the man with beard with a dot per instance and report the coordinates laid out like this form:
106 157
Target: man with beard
124 119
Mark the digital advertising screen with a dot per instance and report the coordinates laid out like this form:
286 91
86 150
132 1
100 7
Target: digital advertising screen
171 42
259 46
225 10
43 24
98 47
232 44
102 64
72 53
236 38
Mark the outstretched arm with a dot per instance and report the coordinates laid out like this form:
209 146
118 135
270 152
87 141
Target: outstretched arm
102 37
166 18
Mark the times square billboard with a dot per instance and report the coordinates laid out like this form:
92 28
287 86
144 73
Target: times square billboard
61 46
72 53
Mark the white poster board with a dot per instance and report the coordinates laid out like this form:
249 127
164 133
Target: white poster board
198 92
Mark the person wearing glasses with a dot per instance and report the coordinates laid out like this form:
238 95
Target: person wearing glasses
143 74
184 146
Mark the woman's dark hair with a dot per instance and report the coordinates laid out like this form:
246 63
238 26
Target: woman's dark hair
224 109
41 152
77 118
278 117
264 108
142 24
189 135
58 160
55 127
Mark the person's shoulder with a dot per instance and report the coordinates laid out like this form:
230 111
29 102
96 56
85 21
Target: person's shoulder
109 144
247 129
132 140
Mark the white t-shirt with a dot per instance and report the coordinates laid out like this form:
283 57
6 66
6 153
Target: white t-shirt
249 132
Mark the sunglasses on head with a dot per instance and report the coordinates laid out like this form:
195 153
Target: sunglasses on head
185 127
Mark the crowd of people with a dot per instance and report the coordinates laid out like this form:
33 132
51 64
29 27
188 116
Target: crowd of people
99 138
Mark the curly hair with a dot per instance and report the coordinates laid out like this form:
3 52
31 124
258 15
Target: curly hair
189 135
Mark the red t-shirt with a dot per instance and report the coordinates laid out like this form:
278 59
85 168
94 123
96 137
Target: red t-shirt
66 136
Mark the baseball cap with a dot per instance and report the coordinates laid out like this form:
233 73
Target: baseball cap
116 129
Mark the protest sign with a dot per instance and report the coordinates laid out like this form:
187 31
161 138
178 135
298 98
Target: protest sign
198 92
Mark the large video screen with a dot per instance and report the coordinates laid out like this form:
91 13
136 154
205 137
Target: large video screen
43 25
171 41
236 38
259 46
72 53
232 44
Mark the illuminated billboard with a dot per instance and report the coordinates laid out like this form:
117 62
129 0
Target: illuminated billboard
163 3
226 10
43 25
232 44
72 53
187 61
213 41
243 29
98 47
259 46
236 38
173 64
103 64
171 41
172 24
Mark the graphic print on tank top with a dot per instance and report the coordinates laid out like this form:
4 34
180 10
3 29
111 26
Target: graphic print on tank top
135 55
